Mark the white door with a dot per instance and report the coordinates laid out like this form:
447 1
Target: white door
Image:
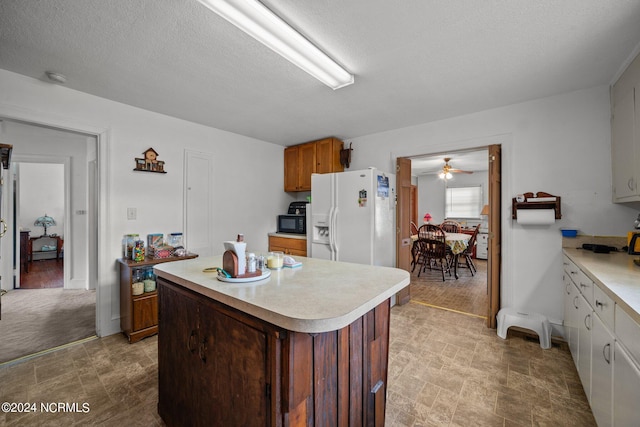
626 383
355 208
322 203
584 344
198 204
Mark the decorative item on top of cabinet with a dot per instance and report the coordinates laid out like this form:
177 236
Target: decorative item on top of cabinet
139 306
149 163
290 246
625 137
300 161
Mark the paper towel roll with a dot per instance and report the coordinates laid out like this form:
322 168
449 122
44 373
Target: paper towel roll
536 216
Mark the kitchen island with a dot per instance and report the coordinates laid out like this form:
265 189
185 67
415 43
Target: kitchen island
306 346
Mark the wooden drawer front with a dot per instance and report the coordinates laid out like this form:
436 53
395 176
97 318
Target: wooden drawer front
603 306
628 333
145 312
288 246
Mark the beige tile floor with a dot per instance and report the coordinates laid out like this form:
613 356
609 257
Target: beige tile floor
445 369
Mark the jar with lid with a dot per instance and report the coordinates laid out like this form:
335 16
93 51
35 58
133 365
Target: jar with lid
175 240
138 250
128 242
137 287
149 280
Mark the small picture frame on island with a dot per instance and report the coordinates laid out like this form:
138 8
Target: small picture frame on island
150 162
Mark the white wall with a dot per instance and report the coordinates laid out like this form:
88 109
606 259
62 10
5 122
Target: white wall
248 175
41 192
560 145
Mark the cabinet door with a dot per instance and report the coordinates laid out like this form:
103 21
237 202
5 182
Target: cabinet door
145 312
291 171
624 146
307 165
328 155
235 391
626 383
585 315
571 316
602 347
178 361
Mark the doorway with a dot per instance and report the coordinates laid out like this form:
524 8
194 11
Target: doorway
41 187
471 169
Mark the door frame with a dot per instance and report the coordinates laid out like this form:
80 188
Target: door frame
498 296
100 266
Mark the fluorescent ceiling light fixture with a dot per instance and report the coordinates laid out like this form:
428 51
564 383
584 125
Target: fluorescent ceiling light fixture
255 19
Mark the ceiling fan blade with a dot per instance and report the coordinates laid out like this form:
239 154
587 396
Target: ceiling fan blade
459 171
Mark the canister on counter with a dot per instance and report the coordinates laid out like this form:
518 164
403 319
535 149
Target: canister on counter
128 242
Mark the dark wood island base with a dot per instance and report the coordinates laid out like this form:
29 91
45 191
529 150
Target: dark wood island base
219 366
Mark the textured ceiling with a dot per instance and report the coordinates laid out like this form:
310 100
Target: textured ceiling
414 61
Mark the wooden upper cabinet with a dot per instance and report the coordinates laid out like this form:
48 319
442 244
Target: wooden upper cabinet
300 161
291 168
328 155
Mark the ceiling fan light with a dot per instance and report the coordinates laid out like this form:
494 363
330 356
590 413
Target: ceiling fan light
448 175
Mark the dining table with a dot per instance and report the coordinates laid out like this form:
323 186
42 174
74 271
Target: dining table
457 243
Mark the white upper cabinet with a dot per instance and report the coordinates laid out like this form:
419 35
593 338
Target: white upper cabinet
625 135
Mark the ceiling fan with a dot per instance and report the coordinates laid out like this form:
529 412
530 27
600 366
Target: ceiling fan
447 170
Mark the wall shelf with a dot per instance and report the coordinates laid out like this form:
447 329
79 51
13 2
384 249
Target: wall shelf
531 203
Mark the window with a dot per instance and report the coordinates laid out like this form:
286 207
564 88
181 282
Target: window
463 202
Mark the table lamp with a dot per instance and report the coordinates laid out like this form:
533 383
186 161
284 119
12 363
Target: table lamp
44 221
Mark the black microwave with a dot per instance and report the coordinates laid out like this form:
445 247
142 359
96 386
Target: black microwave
292 224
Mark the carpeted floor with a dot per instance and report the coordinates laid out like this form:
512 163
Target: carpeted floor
34 320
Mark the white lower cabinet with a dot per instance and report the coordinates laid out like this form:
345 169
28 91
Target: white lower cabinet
626 384
605 345
602 348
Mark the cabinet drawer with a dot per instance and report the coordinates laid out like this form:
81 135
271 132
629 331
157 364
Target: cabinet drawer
145 312
288 246
628 333
572 270
603 307
586 285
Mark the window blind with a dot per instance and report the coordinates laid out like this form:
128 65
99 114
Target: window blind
463 202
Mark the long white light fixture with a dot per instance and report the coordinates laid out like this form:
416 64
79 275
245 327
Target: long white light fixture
255 19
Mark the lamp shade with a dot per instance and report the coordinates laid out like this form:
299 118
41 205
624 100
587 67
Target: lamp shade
485 210
45 221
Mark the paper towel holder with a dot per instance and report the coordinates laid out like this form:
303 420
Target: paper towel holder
539 200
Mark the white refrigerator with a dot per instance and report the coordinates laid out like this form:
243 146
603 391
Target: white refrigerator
353 217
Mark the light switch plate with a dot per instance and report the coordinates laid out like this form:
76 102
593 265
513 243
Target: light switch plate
131 213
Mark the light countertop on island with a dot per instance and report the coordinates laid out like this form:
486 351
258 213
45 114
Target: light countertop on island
615 273
319 296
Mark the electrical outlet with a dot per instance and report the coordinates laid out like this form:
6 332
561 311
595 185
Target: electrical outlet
131 213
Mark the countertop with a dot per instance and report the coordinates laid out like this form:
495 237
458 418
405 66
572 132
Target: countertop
615 273
319 296
289 235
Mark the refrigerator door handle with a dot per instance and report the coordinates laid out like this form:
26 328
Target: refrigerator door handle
333 234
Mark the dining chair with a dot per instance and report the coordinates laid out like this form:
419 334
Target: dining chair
433 249
468 252
414 228
451 226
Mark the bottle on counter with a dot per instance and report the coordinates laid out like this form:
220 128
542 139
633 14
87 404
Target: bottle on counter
251 262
